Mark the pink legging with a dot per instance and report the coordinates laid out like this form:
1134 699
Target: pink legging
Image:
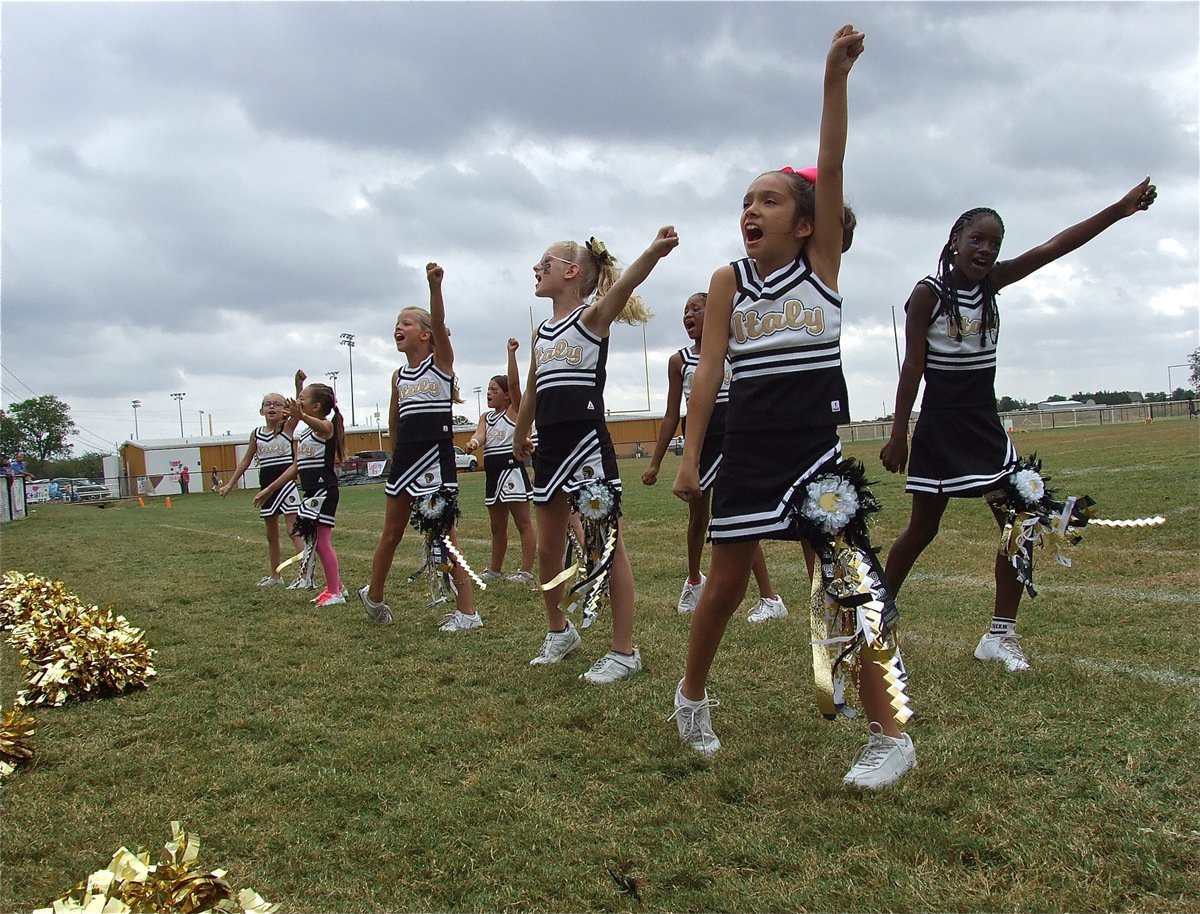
329 559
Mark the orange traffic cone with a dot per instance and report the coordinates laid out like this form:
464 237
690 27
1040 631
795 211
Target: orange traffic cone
168 501
141 502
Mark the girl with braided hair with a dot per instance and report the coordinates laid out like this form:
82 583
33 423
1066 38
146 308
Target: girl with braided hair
959 448
565 394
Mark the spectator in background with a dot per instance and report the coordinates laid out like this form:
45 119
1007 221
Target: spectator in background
18 465
185 477
215 480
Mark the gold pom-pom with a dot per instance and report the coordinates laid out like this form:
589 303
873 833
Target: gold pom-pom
70 650
177 884
16 740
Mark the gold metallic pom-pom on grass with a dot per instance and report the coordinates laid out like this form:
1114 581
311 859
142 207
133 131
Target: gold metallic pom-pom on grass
16 740
177 884
68 649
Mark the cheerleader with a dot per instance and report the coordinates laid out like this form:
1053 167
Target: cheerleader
959 448
272 447
317 448
507 490
420 424
565 394
681 369
777 315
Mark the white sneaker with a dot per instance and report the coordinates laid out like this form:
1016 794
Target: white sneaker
557 645
690 596
488 575
695 723
331 599
613 667
1005 648
520 577
459 622
882 761
378 612
270 581
302 584
768 608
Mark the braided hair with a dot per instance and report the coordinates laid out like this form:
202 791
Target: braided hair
947 299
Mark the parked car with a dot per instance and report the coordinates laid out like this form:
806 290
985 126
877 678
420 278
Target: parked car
79 489
677 445
465 461
356 464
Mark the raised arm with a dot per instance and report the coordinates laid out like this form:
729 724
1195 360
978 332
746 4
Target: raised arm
514 378
670 421
443 352
1137 199
825 245
599 317
919 310
707 381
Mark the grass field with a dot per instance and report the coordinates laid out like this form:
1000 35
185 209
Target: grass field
337 765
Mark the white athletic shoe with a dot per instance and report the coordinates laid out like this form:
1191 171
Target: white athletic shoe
459 622
1005 648
882 761
768 608
613 667
520 577
378 612
695 723
557 645
489 575
331 599
689 597
271 581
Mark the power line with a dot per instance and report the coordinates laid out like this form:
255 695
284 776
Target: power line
19 381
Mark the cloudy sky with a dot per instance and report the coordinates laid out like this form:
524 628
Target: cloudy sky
201 197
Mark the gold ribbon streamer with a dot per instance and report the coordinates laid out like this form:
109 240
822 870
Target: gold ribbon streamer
284 564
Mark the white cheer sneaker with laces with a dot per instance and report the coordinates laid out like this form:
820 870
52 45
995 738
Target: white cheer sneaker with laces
882 761
689 597
766 609
378 612
1005 648
557 645
695 722
613 667
460 622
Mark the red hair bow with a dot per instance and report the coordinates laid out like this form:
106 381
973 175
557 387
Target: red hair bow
808 174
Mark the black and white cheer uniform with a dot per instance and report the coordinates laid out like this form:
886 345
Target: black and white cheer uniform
423 459
574 446
273 450
787 396
714 435
505 476
959 447
318 479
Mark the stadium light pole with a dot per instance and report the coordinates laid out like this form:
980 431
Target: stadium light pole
178 398
347 340
332 375
202 423
136 406
478 408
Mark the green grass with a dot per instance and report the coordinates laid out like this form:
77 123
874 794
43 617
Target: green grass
337 765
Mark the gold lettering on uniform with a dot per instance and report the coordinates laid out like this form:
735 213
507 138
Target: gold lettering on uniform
561 351
963 326
424 386
750 325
